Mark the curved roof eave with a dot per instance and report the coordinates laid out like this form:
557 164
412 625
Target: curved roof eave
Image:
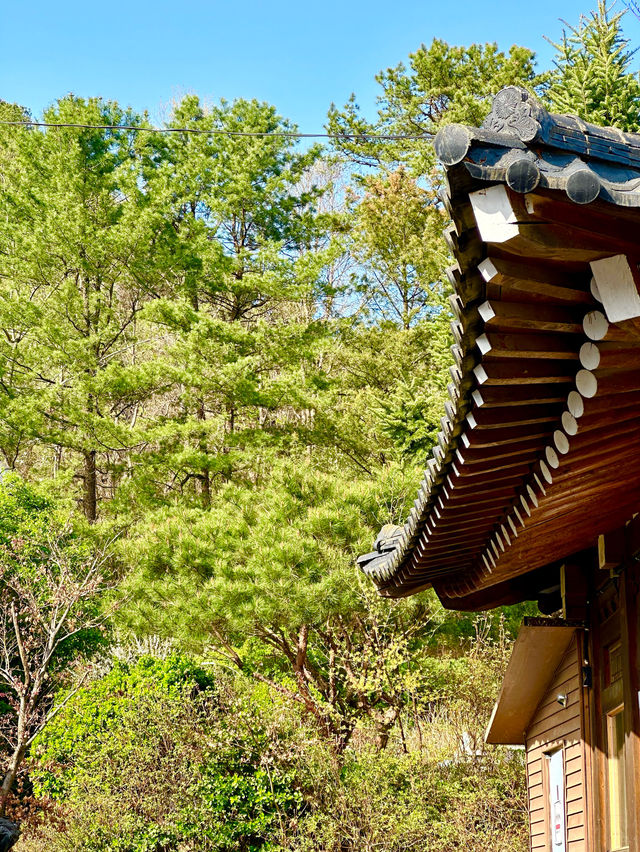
527 398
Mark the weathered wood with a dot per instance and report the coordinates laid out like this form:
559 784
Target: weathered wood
477 456
498 418
473 515
575 403
509 466
540 437
606 412
597 327
506 372
583 186
569 423
609 356
570 534
610 230
523 175
564 535
523 316
497 397
614 383
545 228
452 143
497 486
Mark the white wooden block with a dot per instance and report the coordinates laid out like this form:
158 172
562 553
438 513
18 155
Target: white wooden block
616 287
487 269
495 217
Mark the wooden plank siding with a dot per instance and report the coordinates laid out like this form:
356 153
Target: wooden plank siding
553 726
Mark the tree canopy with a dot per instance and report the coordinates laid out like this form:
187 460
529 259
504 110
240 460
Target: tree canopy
223 362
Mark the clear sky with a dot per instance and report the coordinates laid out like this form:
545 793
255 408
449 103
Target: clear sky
300 56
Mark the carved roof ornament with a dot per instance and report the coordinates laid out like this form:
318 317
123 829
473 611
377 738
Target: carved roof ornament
515 110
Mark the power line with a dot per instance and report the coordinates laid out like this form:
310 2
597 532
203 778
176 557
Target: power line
363 137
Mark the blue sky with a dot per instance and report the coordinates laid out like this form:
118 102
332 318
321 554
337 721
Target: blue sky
299 56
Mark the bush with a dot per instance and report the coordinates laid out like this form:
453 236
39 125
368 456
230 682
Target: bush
153 757
397 802
161 756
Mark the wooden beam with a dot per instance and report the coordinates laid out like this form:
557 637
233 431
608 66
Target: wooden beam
533 281
498 418
609 356
607 384
499 397
494 344
608 230
522 316
478 456
597 327
525 372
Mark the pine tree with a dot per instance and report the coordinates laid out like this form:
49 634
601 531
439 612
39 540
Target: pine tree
592 76
74 272
236 311
442 83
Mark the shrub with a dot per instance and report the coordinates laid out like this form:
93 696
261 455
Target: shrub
159 756
152 757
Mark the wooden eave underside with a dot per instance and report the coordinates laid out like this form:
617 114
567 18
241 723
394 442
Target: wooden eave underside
535 657
539 451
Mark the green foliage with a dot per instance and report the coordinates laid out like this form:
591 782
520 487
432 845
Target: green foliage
592 77
42 556
398 801
25 511
410 417
96 711
158 299
396 226
154 756
72 284
236 353
442 84
284 556
52 576
238 338
233 767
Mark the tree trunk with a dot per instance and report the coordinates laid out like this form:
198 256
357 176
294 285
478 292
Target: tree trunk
383 725
89 496
10 776
205 476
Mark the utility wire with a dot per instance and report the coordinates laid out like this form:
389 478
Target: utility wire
285 133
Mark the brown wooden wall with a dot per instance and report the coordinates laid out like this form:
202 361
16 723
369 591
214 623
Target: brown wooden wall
553 725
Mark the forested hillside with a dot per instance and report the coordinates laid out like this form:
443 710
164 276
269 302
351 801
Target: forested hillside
223 361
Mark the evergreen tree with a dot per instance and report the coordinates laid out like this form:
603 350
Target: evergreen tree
592 76
265 579
74 273
442 83
393 235
235 315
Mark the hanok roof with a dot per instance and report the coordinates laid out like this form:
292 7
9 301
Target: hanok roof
539 449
